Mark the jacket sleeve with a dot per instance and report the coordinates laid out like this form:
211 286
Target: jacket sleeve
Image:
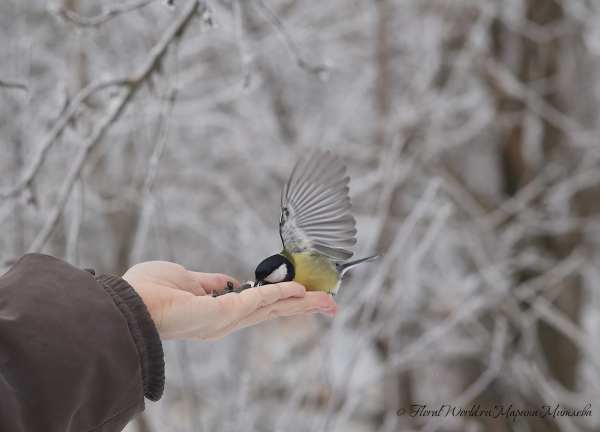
77 352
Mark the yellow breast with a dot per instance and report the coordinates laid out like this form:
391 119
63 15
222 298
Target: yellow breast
316 273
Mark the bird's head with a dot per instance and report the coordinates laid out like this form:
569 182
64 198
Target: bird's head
275 269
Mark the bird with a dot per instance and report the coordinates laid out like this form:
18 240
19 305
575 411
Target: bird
316 227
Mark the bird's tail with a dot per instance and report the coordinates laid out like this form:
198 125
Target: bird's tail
343 268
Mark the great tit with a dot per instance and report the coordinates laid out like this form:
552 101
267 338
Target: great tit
316 227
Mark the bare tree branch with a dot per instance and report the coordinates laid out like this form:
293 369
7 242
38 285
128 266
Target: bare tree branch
468 310
153 59
108 12
74 227
132 84
148 205
76 167
40 152
14 84
239 18
579 134
288 42
494 368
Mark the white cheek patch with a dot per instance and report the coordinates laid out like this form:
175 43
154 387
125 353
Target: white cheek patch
278 275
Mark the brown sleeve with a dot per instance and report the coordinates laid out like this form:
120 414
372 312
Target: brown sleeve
77 353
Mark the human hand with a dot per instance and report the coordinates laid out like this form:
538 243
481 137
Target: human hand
181 308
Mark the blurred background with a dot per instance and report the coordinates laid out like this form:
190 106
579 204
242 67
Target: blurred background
143 130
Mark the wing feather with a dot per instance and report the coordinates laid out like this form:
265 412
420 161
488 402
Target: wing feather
316 209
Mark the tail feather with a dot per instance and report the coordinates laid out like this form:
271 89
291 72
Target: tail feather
343 268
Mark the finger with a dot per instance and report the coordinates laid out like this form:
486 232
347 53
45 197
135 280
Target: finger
224 311
238 306
211 281
227 313
312 302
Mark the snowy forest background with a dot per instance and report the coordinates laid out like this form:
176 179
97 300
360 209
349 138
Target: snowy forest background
144 130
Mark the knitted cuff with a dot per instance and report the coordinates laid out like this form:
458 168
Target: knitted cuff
143 330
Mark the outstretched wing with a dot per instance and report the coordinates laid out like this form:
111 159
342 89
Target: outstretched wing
316 209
